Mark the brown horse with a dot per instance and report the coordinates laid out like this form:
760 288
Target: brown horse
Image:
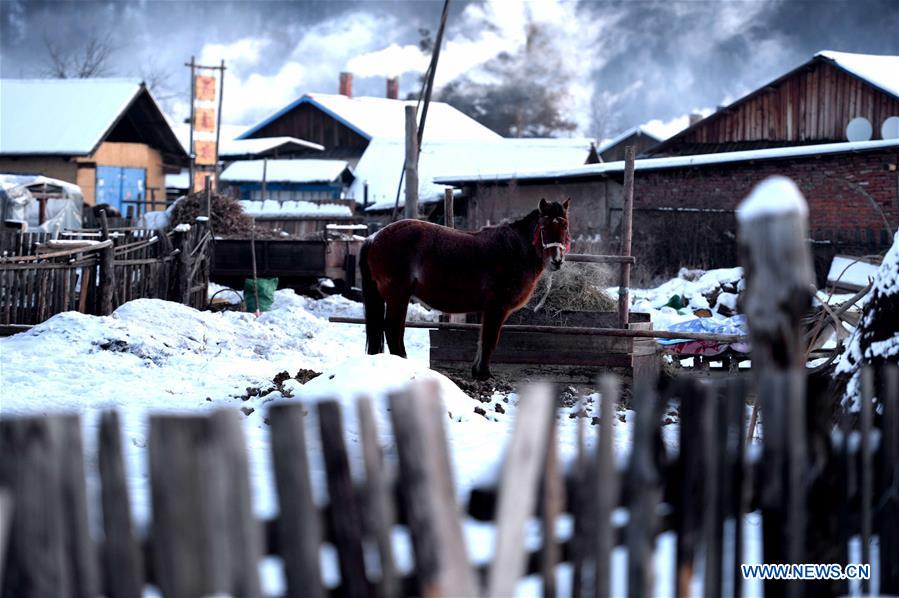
492 271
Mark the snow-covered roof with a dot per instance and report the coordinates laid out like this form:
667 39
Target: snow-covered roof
178 181
383 117
638 130
29 180
592 170
271 208
285 171
878 70
61 116
382 163
261 145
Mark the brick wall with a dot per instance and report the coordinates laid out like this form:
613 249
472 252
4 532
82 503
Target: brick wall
853 208
850 195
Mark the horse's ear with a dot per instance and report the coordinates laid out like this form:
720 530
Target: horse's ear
565 205
543 205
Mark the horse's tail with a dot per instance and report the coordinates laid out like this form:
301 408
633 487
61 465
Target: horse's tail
374 305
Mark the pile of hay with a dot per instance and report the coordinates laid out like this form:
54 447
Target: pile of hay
228 217
576 287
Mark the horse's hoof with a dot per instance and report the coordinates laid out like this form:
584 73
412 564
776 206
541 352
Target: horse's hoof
480 374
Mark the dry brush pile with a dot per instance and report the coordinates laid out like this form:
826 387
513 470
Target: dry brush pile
228 217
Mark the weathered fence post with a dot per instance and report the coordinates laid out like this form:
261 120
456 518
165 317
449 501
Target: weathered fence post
889 528
346 517
205 540
551 502
442 567
380 514
773 229
123 565
518 487
645 494
411 166
50 549
449 217
607 480
627 220
299 529
107 269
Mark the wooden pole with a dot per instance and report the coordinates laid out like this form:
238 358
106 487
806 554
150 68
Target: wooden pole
264 178
773 228
411 209
193 94
627 214
448 215
574 330
218 123
107 269
207 196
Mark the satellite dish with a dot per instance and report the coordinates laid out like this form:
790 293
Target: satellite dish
890 128
859 129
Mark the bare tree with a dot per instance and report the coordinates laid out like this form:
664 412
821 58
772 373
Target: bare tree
527 91
604 116
90 60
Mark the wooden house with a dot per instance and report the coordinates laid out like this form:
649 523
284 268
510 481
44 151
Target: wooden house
638 137
345 125
811 104
108 136
684 202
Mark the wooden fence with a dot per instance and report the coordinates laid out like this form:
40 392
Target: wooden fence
203 539
95 271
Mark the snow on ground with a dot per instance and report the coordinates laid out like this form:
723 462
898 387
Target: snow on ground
154 356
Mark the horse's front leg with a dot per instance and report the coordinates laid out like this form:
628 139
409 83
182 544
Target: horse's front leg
492 321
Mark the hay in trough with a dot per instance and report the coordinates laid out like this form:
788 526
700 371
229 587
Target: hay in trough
577 286
228 217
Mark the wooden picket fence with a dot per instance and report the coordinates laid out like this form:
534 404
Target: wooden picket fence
204 540
41 277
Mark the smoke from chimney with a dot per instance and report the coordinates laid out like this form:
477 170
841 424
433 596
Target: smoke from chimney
346 84
695 118
393 88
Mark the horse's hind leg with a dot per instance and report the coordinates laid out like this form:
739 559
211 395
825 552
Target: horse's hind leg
395 324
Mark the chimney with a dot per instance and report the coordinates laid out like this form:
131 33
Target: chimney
346 84
695 118
393 88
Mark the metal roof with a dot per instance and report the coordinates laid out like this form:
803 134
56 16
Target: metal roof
373 117
600 170
286 171
71 117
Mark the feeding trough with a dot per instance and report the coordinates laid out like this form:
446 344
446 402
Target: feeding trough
572 358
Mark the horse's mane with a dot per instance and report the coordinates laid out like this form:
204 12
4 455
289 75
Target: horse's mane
524 223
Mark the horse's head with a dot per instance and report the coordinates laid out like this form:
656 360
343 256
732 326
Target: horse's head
551 237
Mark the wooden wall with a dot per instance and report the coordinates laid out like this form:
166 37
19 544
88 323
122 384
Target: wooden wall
129 155
56 167
309 123
814 104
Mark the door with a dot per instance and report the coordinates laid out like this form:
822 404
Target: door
121 187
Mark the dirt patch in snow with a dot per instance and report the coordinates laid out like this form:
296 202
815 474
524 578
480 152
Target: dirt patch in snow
280 383
482 390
